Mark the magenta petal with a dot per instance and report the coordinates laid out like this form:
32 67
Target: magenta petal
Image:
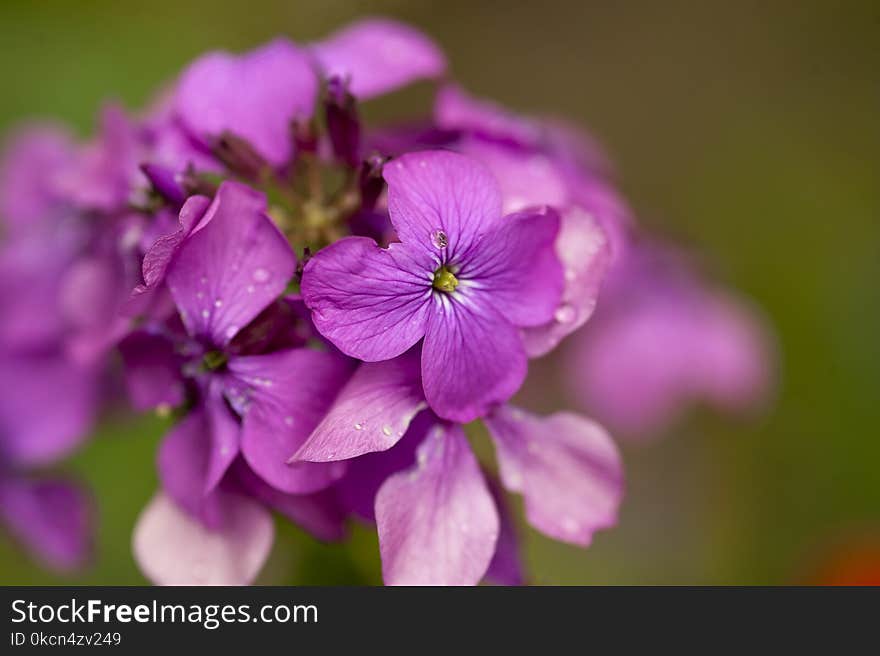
320 513
194 456
441 191
734 365
366 474
47 407
472 358
437 522
566 467
371 413
256 96
506 567
377 56
29 163
371 302
455 109
282 397
152 371
231 267
173 548
225 433
518 269
162 251
585 253
527 178
102 174
52 518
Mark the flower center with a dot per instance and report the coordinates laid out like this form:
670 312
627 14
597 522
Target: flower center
445 280
213 360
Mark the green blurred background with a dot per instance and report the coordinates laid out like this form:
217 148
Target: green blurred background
748 130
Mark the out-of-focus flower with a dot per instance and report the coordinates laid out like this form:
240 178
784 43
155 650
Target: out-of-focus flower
662 341
463 277
50 397
51 517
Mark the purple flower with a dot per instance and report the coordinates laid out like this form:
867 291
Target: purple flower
51 517
224 267
463 277
537 162
663 341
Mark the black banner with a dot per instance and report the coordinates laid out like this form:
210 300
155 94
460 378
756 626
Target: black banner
131 620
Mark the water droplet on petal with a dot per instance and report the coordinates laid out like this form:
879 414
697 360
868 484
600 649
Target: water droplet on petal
203 280
261 275
359 427
387 430
218 303
205 314
564 313
439 239
288 420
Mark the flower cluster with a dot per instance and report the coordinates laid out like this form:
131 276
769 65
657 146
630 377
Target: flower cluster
325 308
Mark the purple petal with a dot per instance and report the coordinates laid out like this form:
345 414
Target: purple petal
632 368
231 267
195 454
527 177
441 191
165 182
437 522
506 567
566 467
47 407
162 251
378 56
736 355
365 475
584 251
31 160
372 303
280 87
53 518
455 109
371 413
89 294
32 267
152 371
103 173
518 270
282 397
173 548
320 513
472 358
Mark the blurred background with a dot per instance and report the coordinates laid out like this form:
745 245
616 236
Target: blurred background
748 131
